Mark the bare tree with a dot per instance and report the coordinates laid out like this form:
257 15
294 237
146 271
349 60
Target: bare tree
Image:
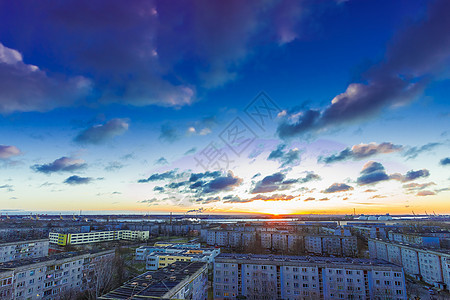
262 286
100 276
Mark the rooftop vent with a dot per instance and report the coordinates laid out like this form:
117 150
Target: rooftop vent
172 278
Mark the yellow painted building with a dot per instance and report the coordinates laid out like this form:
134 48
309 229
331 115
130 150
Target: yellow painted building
168 259
64 239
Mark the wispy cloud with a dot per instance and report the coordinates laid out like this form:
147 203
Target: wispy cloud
101 133
63 164
361 151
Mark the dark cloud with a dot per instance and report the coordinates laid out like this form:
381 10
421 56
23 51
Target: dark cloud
161 161
374 172
199 210
159 176
7 152
371 173
176 185
286 158
63 164
445 161
235 199
310 176
324 199
222 183
337 187
158 189
208 200
76 180
361 151
310 199
413 152
196 176
273 183
413 175
414 56
101 133
168 133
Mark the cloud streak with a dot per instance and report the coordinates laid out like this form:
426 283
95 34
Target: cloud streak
361 151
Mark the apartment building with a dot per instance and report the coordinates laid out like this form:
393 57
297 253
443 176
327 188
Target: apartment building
282 240
181 280
157 260
302 277
415 239
64 239
431 266
23 249
230 238
46 277
331 245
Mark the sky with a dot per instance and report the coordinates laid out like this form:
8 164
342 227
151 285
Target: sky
276 107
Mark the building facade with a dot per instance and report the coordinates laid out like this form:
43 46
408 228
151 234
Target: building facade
23 249
431 266
64 239
157 260
46 277
301 277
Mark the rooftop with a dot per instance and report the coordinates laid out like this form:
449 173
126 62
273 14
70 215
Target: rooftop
22 241
155 284
59 256
303 259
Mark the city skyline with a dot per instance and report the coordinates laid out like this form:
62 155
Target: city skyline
283 107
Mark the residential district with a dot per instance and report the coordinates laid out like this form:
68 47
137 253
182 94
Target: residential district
182 257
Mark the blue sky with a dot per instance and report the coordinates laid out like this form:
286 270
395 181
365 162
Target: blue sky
110 105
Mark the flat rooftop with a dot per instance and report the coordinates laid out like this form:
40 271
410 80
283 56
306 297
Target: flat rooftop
155 284
303 259
35 260
22 241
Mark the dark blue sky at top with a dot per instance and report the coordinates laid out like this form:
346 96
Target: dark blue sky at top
144 70
336 45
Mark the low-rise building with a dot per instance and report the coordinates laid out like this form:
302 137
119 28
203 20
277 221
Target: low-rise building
303 277
181 280
143 251
23 249
64 239
157 260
